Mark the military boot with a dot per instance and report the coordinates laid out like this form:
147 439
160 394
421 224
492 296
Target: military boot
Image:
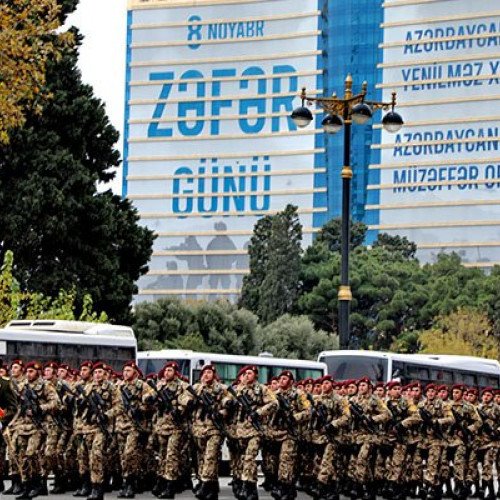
159 486
97 492
15 485
236 487
249 491
168 490
24 494
489 492
36 487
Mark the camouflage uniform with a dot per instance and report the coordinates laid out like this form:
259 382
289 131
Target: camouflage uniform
8 406
441 416
31 432
131 399
171 431
262 402
95 433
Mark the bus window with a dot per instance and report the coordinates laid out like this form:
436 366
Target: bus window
346 367
444 376
418 372
303 373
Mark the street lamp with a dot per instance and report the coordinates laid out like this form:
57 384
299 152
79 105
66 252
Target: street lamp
341 112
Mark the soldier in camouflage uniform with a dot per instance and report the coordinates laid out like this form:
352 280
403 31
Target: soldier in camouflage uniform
8 407
37 400
171 429
375 412
131 399
17 380
207 429
405 418
95 403
336 416
440 418
489 440
261 402
293 408
466 426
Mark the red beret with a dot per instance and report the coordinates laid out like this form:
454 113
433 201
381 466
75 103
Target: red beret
487 389
287 373
459 387
131 364
35 365
252 368
151 376
328 378
318 381
86 364
443 387
307 381
19 362
209 368
275 379
350 381
171 364
51 364
413 385
430 386
364 380
379 384
99 365
392 384
472 390
75 372
496 392
64 366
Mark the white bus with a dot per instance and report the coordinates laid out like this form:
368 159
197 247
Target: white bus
67 341
385 366
228 366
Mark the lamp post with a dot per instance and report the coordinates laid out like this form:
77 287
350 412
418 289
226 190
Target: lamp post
341 112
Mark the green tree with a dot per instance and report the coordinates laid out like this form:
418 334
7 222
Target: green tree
463 332
401 244
204 326
294 337
273 285
62 231
331 234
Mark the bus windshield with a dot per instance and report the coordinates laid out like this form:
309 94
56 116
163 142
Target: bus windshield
347 367
152 365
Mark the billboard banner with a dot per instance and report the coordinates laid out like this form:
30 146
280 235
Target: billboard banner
437 181
210 145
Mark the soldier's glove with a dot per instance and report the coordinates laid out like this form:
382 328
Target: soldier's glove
230 404
400 429
150 400
136 414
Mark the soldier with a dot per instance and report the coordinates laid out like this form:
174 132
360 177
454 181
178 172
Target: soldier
208 430
7 410
466 426
132 398
368 412
96 401
293 408
331 417
37 400
254 401
435 415
489 440
170 428
77 441
17 382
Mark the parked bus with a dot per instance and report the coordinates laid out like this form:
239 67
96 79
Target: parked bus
228 366
385 366
67 341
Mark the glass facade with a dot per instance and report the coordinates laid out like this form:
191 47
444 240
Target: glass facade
351 36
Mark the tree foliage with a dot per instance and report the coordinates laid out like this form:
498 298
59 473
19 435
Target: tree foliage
465 331
16 304
294 337
272 287
63 232
331 234
28 40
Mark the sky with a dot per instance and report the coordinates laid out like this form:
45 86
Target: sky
102 57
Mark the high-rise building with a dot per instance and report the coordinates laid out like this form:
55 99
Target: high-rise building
210 146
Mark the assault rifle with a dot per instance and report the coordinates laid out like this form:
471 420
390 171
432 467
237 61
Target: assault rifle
166 399
246 405
130 408
429 423
207 403
319 414
461 425
398 415
487 427
29 403
95 406
286 414
359 415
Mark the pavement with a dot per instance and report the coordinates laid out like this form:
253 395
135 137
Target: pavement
225 494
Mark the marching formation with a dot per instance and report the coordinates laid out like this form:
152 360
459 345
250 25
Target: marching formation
95 430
